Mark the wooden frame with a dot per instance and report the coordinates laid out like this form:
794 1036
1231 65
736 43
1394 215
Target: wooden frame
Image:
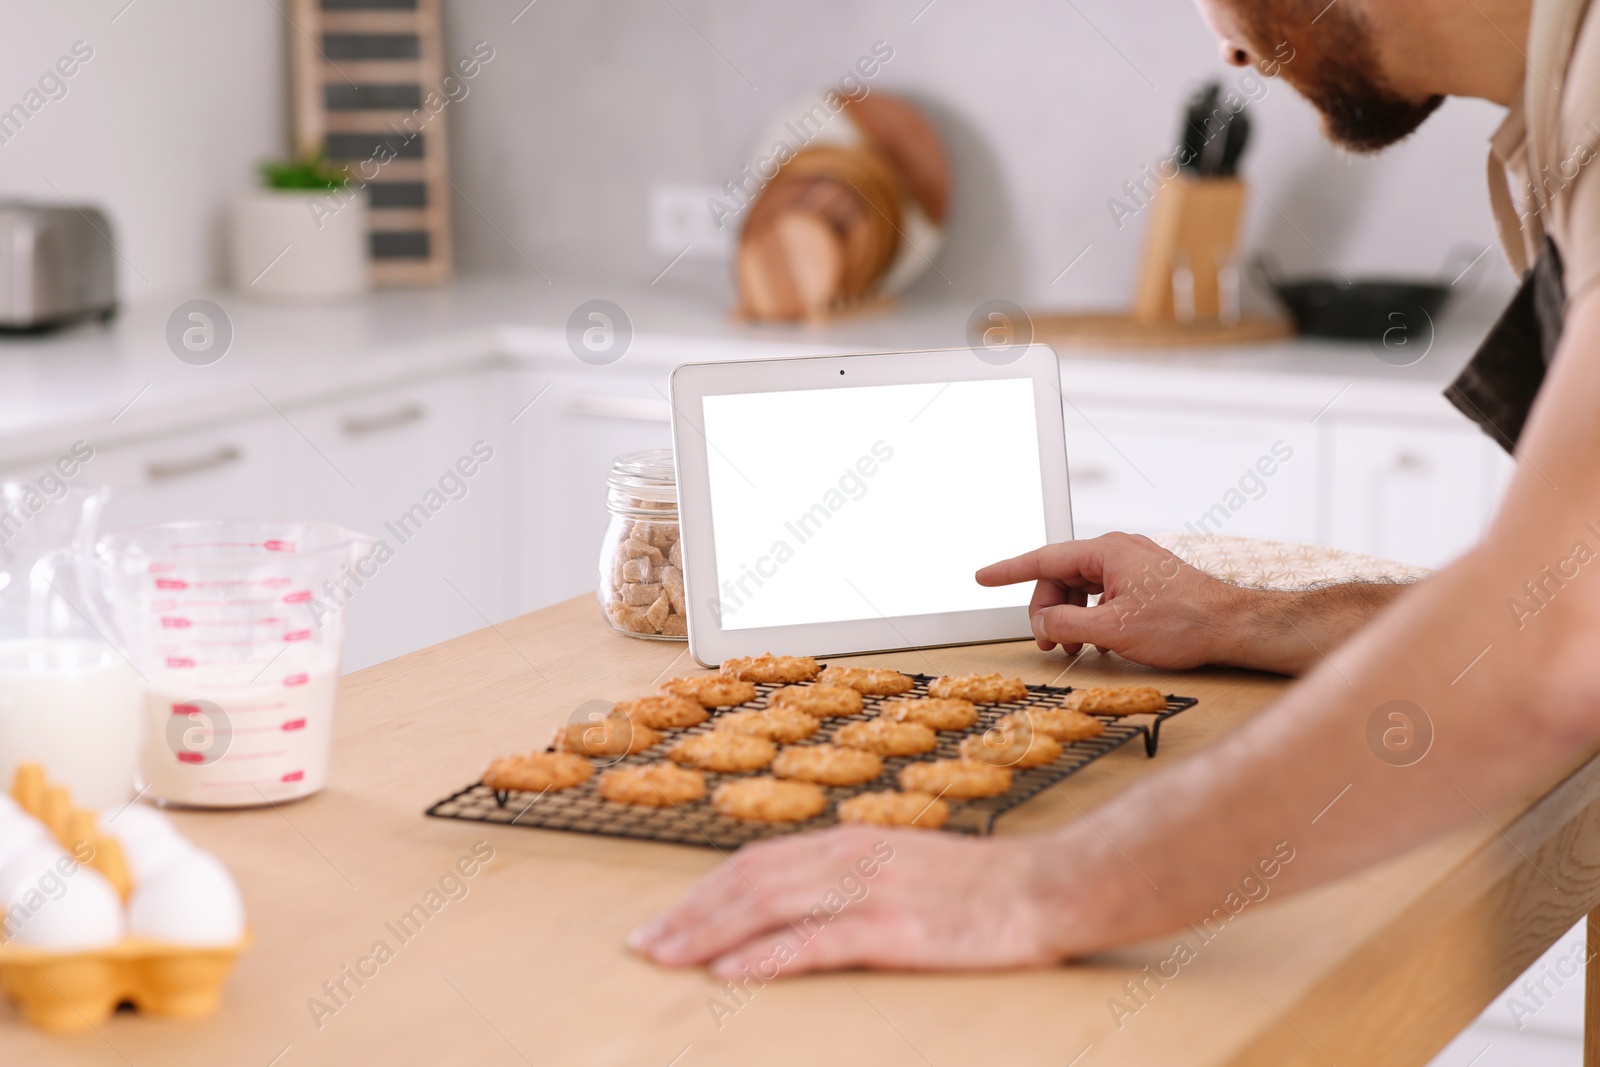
360 72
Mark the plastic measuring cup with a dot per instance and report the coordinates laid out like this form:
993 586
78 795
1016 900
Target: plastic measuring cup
235 627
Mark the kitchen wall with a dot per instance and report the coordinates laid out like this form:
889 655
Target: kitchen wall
1048 106
165 120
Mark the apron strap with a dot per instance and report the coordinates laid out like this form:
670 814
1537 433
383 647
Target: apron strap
1514 230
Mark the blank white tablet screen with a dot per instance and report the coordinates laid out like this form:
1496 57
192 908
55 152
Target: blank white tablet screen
830 505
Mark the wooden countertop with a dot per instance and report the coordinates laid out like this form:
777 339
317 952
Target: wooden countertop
528 966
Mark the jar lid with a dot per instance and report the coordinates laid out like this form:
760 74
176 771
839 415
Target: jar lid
644 481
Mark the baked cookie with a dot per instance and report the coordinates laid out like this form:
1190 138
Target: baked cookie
979 688
1063 725
936 713
665 712
1017 745
1116 700
769 668
723 751
711 690
786 725
766 799
827 764
887 737
652 785
922 810
536 772
873 681
957 778
822 700
615 735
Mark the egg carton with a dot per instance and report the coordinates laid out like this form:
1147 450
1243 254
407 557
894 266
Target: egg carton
72 990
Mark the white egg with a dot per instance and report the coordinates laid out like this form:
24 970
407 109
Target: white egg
193 901
73 911
15 839
17 832
30 863
149 840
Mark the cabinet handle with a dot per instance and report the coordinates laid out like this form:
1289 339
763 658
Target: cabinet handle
362 425
641 409
163 471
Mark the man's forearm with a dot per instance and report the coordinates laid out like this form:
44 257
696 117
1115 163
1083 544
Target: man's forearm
1289 632
1499 644
1313 771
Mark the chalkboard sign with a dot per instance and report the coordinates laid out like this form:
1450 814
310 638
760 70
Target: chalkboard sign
368 80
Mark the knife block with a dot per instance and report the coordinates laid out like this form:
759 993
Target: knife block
1194 228
1194 224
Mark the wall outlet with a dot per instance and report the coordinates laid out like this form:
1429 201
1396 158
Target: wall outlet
680 218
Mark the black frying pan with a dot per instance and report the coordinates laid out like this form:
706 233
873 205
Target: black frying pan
1359 310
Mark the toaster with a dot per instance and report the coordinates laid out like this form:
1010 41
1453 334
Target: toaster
55 265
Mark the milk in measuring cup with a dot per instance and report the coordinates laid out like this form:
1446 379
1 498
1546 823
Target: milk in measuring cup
73 707
240 658
218 741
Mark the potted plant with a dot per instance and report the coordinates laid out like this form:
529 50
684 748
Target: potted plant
302 233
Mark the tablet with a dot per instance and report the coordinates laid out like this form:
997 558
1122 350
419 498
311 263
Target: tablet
840 504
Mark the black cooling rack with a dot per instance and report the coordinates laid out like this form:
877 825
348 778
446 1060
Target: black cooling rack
581 809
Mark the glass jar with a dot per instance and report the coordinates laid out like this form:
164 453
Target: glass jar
641 563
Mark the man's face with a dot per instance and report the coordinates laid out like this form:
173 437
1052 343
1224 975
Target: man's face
1330 54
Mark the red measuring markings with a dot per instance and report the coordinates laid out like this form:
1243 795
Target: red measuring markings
271 545
171 583
269 730
295 724
183 623
234 783
179 662
191 757
296 679
299 596
192 708
274 582
297 635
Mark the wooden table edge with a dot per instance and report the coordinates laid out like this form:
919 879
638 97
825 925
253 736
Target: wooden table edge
1520 891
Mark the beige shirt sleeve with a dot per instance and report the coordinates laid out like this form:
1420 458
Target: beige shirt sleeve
1571 165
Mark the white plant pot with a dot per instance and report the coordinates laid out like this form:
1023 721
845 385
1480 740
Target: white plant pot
300 243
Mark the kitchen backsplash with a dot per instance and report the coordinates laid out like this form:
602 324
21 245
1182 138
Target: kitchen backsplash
1051 110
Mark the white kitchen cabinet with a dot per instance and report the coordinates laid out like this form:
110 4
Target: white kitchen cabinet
384 464
228 472
566 440
390 464
1222 473
1414 493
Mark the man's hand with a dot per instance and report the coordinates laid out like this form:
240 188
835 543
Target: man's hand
1157 610
863 896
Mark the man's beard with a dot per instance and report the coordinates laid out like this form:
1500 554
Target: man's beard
1335 66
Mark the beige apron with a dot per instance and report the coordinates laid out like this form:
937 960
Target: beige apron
1497 389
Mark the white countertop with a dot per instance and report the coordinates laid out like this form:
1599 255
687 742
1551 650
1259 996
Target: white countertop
121 382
